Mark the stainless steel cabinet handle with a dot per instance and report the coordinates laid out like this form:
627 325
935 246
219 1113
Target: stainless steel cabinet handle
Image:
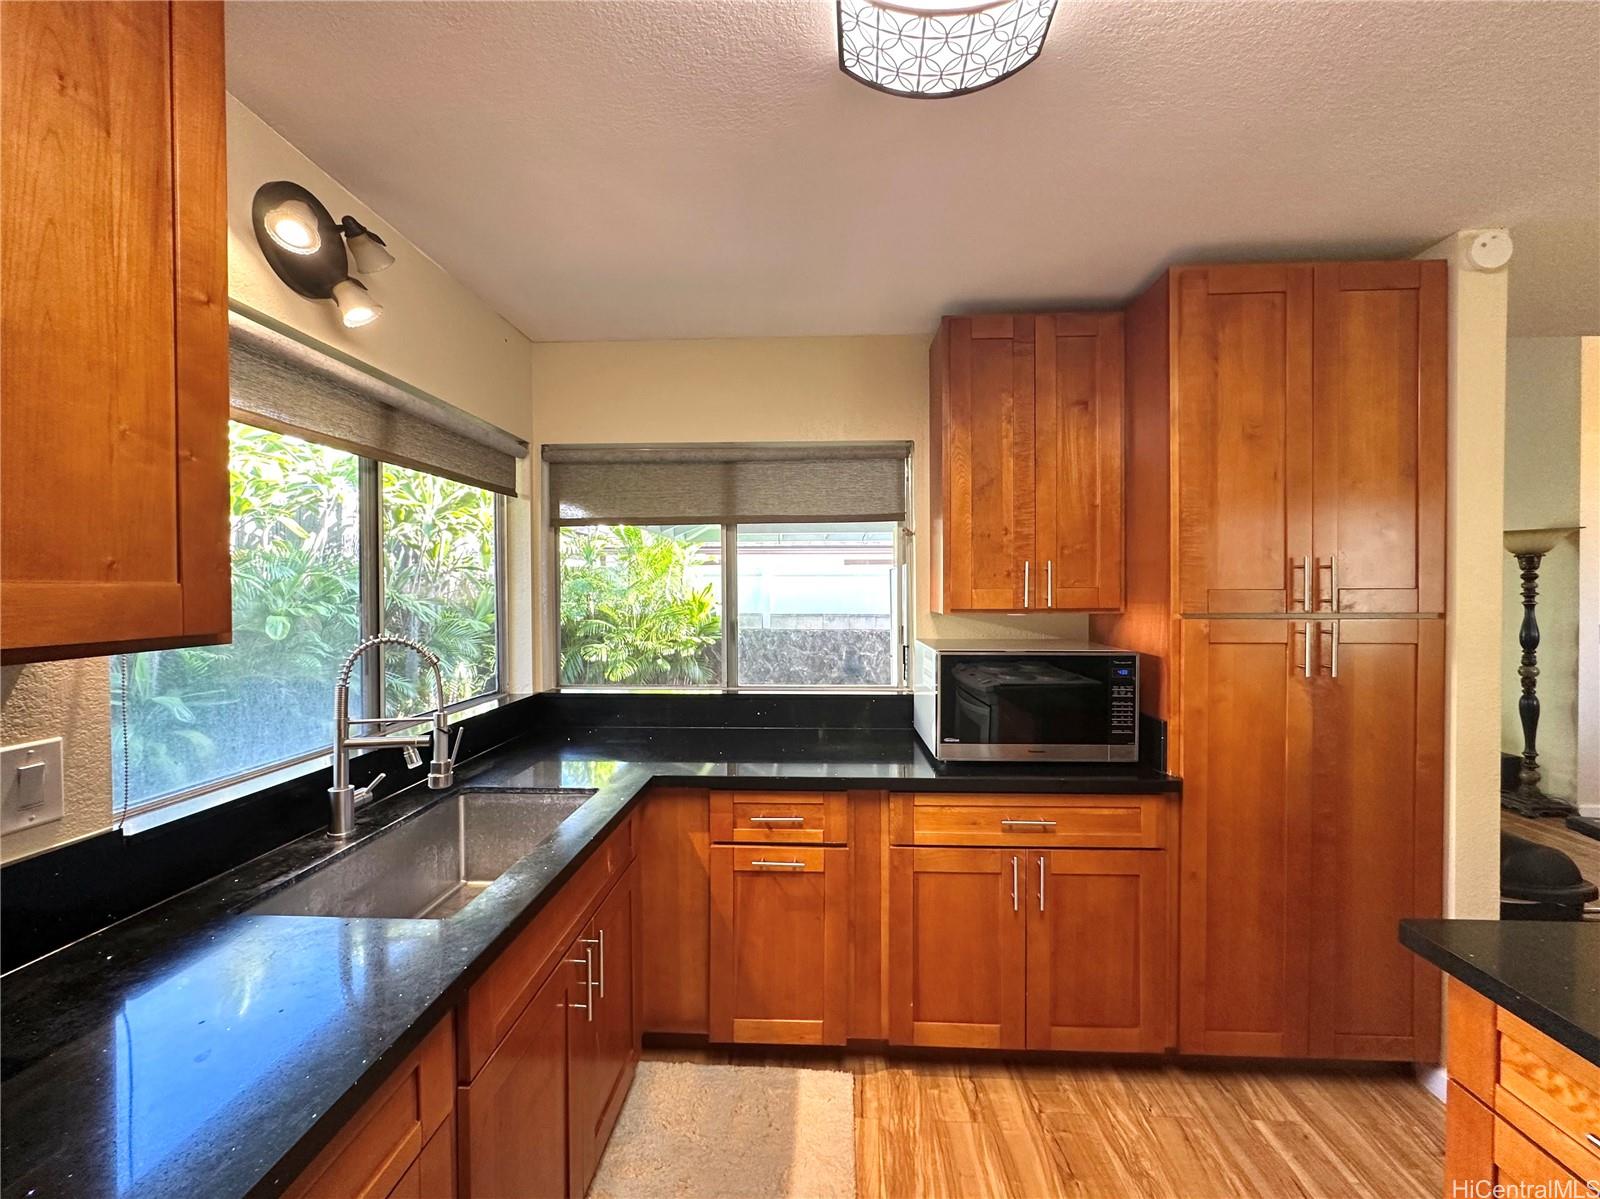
1041 882
601 942
1592 1139
587 962
1305 665
1050 583
1010 822
1333 581
1333 655
777 820
1027 583
1305 583
767 862
1015 903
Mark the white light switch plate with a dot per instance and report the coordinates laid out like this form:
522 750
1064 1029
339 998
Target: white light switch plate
30 785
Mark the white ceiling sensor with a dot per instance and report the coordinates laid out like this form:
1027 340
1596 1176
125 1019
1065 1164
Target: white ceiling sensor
1490 249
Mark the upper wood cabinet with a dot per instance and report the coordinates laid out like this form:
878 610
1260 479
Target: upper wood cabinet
1308 404
113 312
1027 461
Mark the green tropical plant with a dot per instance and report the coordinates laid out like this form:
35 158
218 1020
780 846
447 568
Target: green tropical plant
210 711
630 613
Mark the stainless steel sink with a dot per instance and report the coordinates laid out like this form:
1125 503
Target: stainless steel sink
434 864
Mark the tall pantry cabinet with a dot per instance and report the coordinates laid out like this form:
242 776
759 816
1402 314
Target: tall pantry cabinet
1287 453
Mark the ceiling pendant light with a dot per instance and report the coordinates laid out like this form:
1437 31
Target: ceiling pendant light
934 48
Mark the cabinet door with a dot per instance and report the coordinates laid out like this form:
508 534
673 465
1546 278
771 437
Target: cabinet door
513 1116
1246 902
611 1040
1241 397
957 967
1098 950
1078 432
113 312
1380 436
780 919
1377 777
983 474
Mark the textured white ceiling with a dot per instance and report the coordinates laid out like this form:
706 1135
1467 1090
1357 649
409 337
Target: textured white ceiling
701 168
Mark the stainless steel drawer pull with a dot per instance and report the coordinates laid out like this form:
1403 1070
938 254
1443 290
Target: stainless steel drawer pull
587 962
777 820
1014 823
601 942
1592 1139
768 862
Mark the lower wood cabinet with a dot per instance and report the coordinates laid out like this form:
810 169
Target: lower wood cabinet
1522 1111
1036 949
399 1140
1099 950
513 1117
603 1030
780 944
957 957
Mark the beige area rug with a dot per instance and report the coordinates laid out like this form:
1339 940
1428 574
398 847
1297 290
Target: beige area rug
732 1132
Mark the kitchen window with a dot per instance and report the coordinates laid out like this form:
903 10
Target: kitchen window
792 577
324 541
358 505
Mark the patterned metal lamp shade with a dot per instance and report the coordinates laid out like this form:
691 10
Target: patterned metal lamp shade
933 48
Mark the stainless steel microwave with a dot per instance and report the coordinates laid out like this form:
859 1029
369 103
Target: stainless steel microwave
1040 701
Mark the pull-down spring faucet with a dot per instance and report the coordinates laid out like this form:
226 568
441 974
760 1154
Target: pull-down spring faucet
342 797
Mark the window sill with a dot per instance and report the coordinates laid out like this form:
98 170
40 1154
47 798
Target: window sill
161 812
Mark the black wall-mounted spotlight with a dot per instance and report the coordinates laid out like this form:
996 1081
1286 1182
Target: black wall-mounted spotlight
311 252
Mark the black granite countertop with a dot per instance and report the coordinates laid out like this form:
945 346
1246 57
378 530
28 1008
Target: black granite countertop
1545 972
199 1050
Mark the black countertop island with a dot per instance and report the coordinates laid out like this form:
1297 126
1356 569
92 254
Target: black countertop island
1544 972
197 1049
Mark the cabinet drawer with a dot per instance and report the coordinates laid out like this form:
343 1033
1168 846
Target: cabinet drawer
1518 1162
1089 821
1551 1094
377 1152
806 817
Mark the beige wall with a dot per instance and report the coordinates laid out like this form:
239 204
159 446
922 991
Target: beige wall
760 389
1477 469
1541 491
434 335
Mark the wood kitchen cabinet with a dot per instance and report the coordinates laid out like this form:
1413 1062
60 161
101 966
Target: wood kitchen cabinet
113 311
1027 461
1308 404
400 1137
780 950
1246 812
603 1029
1522 1111
1288 432
1099 950
1032 921
957 948
514 1116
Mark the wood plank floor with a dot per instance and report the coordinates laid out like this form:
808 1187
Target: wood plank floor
1099 1129
1552 831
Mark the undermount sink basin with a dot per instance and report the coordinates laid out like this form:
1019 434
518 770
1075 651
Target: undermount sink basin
434 864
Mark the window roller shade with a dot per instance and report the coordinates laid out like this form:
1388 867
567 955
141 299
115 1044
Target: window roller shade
727 484
277 382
